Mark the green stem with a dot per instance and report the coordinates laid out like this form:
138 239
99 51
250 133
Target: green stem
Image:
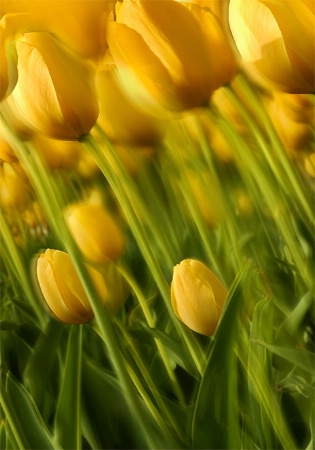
150 320
284 172
163 416
120 184
18 266
47 193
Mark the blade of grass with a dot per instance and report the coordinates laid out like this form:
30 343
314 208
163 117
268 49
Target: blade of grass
67 425
22 415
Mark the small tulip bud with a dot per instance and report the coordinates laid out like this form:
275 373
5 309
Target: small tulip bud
276 42
197 296
54 92
95 231
64 292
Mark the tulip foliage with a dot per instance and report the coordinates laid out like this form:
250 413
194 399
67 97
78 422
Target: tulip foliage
157 172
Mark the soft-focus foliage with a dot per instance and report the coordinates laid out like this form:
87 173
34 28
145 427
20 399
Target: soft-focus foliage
157 180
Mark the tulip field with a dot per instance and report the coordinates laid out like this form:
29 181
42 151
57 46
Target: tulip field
157 223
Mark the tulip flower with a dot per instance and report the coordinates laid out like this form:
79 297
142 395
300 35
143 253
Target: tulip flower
54 92
62 288
121 119
95 231
198 296
63 291
276 42
80 24
162 46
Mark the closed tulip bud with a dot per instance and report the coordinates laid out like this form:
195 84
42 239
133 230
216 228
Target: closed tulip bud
163 47
62 289
219 46
54 93
197 296
276 42
121 119
95 231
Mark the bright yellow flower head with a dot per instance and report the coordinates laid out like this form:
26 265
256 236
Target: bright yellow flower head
62 288
162 45
54 93
95 231
197 296
121 119
79 24
64 293
276 42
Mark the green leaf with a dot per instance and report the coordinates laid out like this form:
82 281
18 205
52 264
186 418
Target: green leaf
216 420
299 358
23 417
68 417
42 370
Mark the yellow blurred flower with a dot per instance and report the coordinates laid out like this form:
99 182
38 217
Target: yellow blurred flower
207 197
57 154
197 296
219 47
122 120
295 135
80 24
95 231
276 42
14 187
163 47
6 152
54 93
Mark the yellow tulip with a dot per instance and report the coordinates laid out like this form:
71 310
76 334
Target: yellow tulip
79 24
63 291
198 296
95 231
121 119
276 42
62 288
219 46
54 93
161 45
295 135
